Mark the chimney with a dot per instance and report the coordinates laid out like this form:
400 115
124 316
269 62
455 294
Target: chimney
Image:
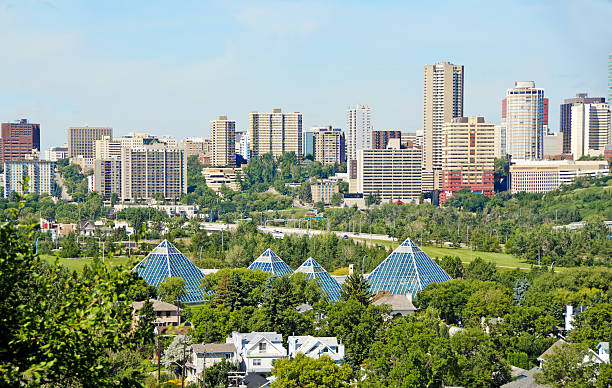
351 269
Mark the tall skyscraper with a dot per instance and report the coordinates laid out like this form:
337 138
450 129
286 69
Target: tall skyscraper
18 140
468 156
442 101
565 122
590 128
329 147
610 78
275 133
358 130
525 121
81 140
223 137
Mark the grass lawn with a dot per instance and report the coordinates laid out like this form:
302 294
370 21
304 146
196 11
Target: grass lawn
78 264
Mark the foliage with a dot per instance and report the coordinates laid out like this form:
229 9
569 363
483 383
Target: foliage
176 354
356 287
566 368
171 290
452 266
216 375
593 325
303 371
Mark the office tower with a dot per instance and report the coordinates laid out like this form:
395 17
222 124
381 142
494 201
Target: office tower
442 101
223 136
468 156
358 130
41 177
81 140
500 141
524 121
239 135
329 144
590 129
542 176
380 139
152 170
275 133
308 142
54 154
393 173
106 148
409 139
107 177
565 122
18 140
553 144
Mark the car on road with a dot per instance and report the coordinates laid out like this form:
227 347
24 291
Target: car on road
345 237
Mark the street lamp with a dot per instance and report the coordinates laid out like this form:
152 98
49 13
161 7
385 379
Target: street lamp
37 244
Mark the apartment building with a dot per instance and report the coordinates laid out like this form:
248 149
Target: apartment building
223 136
501 150
54 154
151 170
242 144
329 145
196 146
442 101
358 130
275 133
590 129
81 140
41 177
547 175
18 140
323 190
565 120
524 121
107 177
468 156
380 138
393 173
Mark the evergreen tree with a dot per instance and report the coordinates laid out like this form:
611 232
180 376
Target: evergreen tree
235 294
356 287
520 288
221 295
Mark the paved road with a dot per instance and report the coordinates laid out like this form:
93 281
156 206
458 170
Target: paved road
60 182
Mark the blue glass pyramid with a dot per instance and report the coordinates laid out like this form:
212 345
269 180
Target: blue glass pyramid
407 270
166 261
313 270
269 262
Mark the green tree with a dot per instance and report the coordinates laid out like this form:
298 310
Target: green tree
176 354
216 375
481 270
146 317
70 247
566 367
487 303
236 294
171 290
303 371
356 287
337 199
453 266
594 325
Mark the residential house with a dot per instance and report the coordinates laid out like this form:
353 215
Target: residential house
401 305
315 347
601 356
87 228
257 351
202 356
165 313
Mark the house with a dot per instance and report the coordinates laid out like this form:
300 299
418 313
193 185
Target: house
524 379
202 356
165 313
488 323
87 228
315 347
257 351
401 305
603 351
601 356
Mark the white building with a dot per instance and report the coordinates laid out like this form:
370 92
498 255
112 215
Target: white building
54 154
358 130
547 175
500 141
315 347
590 129
204 356
553 144
41 176
216 177
257 351
242 144
525 121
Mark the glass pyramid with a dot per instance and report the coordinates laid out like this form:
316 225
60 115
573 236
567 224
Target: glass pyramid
407 270
166 261
313 270
269 262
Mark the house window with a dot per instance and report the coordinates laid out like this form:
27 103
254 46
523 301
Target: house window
262 346
167 313
228 356
257 362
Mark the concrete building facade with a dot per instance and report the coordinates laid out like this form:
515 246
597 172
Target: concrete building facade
54 154
41 177
547 175
275 133
525 121
380 139
18 139
81 140
107 177
590 129
565 119
329 145
324 190
442 101
358 130
223 138
468 156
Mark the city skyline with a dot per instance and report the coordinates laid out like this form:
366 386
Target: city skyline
137 68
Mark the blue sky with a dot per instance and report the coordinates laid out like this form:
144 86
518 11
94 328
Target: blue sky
169 67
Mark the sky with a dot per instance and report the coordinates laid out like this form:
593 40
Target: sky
169 67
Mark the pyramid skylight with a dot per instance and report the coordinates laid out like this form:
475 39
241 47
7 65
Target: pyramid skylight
407 270
166 261
269 262
313 270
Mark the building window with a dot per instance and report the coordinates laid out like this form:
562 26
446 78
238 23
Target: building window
262 346
257 362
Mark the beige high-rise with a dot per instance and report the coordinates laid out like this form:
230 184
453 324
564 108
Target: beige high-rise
81 140
442 101
223 137
329 145
590 129
275 133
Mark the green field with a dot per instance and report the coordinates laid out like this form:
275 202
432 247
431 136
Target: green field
78 264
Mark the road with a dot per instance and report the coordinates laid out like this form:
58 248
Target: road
60 182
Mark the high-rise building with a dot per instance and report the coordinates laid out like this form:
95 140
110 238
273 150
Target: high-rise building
610 78
442 101
275 133
329 147
81 140
553 144
393 173
500 141
41 177
193 146
380 139
590 129
241 145
565 122
54 154
524 121
107 177
308 142
150 170
108 146
223 136
468 156
18 140
358 130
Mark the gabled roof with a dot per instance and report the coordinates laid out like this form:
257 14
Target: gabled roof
269 262
313 270
158 305
214 348
552 349
278 346
308 344
166 261
407 270
397 302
